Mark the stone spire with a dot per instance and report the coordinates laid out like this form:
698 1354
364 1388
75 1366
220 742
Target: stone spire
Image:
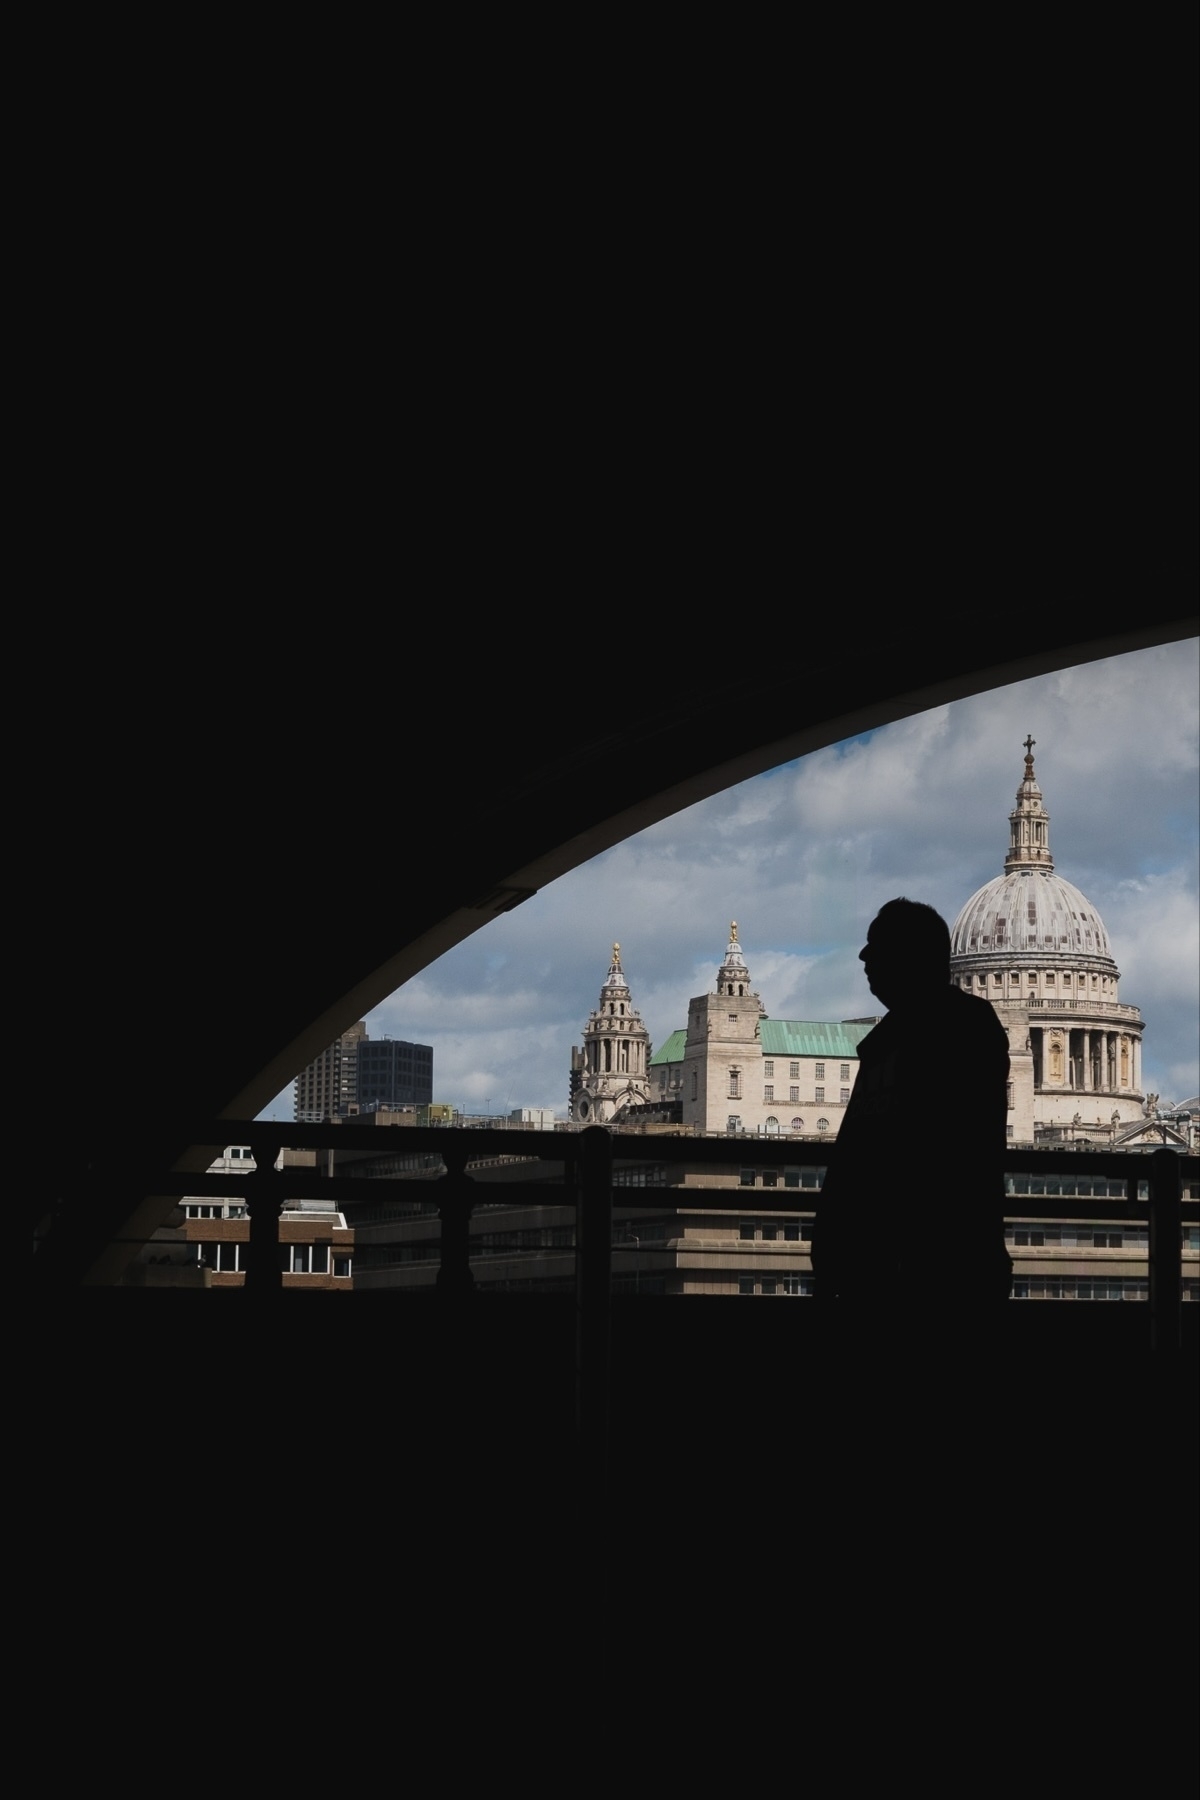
1028 824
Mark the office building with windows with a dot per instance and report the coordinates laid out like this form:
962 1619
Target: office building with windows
392 1073
328 1087
358 1074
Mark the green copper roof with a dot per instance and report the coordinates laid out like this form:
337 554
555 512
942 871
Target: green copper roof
783 1037
801 1037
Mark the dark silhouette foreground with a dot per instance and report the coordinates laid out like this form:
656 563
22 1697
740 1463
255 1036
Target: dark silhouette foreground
911 1221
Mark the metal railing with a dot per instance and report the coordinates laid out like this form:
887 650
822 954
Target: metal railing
566 1165
574 1170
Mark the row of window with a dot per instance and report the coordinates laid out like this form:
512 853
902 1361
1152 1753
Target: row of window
782 1284
1070 1187
788 1178
294 1259
1092 1237
771 1231
771 1125
1036 1287
793 1095
1054 1287
1014 978
794 1071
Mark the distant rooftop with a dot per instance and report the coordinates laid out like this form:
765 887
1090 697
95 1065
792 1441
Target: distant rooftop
786 1037
804 1037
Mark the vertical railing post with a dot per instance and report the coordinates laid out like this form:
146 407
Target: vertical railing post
264 1202
1166 1251
593 1310
456 1203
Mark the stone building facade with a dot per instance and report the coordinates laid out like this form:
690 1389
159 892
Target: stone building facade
733 1070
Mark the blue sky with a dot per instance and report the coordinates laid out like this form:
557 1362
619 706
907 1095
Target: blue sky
804 856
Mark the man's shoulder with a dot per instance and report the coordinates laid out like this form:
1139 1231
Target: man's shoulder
972 1012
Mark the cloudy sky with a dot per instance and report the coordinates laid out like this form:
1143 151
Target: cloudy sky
803 857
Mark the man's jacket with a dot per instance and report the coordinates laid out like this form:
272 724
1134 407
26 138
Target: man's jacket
914 1190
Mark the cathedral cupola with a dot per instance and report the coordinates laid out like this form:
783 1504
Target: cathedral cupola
1035 946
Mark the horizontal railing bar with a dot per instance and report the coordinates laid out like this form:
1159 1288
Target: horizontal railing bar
565 1146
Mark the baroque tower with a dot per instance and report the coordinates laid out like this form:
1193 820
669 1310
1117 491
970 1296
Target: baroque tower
1037 949
613 1068
723 1055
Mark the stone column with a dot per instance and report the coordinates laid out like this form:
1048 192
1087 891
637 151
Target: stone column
1085 1038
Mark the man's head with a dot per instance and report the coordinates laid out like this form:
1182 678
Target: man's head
907 952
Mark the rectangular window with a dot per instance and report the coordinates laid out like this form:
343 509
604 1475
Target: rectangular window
794 1071
746 1230
770 1179
768 1092
820 1071
746 1178
793 1094
845 1095
820 1093
845 1071
768 1070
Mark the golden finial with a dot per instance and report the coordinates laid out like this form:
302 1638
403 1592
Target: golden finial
617 954
733 930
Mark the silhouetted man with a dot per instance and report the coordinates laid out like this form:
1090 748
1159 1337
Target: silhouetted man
911 1219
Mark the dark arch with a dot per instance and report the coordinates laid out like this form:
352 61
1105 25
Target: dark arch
242 881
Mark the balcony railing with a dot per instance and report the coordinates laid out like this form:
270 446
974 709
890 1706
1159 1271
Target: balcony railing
440 1188
455 1177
